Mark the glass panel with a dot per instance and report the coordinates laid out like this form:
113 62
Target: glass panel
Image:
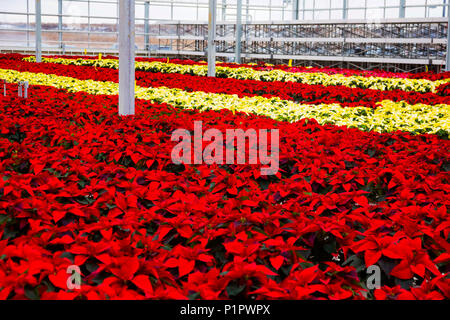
337 4
159 12
14 6
49 7
356 13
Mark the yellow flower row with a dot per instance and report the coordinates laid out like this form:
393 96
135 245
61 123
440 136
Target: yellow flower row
390 116
243 73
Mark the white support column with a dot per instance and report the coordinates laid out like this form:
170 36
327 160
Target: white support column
224 10
60 23
345 10
19 89
238 31
126 57
447 65
26 85
402 8
295 9
247 10
212 38
28 24
38 32
247 19
146 26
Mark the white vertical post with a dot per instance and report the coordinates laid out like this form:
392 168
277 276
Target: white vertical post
25 87
224 10
38 32
60 22
146 25
345 10
295 10
28 24
304 10
126 57
447 65
295 6
402 8
19 89
238 31
212 38
247 10
247 19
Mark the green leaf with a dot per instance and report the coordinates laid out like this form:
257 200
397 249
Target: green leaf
235 289
32 293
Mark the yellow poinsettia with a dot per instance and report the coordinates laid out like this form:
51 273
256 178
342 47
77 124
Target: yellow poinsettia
243 73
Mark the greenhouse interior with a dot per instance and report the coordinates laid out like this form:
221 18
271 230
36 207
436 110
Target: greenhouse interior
399 35
235 151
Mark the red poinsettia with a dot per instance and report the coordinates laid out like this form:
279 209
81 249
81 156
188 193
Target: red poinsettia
82 186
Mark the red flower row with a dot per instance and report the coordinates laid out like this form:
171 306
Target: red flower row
263 66
302 93
82 186
347 72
